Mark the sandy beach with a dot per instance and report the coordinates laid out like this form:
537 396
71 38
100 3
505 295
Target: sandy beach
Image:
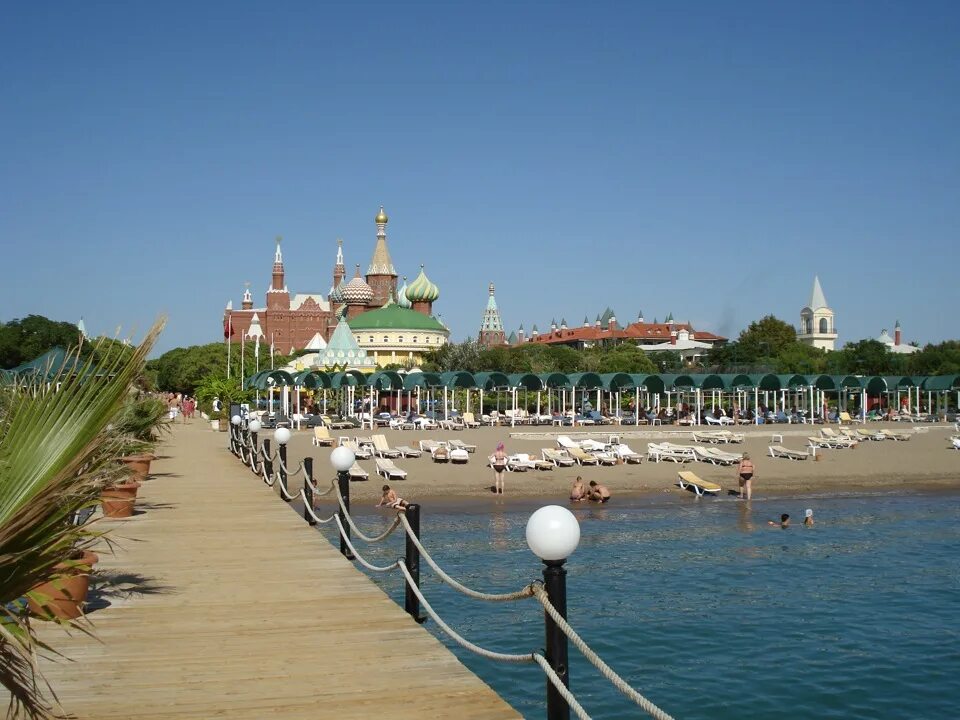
922 463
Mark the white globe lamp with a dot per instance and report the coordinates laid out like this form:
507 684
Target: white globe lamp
254 426
553 533
235 420
282 436
342 459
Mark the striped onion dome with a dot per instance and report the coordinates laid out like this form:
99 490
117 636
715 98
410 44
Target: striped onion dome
336 295
357 292
422 290
402 299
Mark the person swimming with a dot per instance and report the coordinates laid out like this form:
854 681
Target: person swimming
784 521
808 517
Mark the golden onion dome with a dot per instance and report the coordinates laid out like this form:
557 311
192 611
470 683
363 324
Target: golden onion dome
422 290
381 218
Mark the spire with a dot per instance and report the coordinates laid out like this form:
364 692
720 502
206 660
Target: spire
340 252
82 328
817 300
491 329
380 263
278 285
278 258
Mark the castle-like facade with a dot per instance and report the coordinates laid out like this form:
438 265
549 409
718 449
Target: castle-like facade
391 326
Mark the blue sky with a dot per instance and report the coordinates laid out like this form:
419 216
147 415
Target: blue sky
700 158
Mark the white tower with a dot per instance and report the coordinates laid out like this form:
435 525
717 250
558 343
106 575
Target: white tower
816 321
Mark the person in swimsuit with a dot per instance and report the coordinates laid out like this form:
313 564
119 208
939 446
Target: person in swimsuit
578 493
391 500
745 472
499 467
784 521
808 517
598 492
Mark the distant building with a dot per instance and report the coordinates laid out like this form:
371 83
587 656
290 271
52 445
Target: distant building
816 321
491 329
895 344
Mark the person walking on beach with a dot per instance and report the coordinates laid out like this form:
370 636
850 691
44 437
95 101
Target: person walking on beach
578 493
499 468
390 499
598 492
745 472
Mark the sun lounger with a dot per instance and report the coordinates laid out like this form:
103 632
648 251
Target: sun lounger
606 457
531 463
898 436
386 467
566 443
686 479
458 444
321 436
558 457
382 448
845 418
582 456
715 456
779 451
470 421
666 451
358 473
626 454
708 436
360 451
458 456
438 451
407 451
834 443
955 443
870 434
592 445
335 424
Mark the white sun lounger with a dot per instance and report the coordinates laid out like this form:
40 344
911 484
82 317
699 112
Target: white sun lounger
898 436
716 457
626 454
664 451
360 451
779 451
357 473
321 436
407 451
382 448
458 444
387 468
686 479
558 457
955 442
582 456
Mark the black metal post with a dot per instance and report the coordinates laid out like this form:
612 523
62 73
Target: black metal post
555 583
308 490
267 462
233 438
411 602
343 480
254 452
243 441
283 472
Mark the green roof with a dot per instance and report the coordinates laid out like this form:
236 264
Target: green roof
394 317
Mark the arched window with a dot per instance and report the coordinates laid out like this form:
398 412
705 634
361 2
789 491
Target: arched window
414 339
824 325
385 339
371 338
400 339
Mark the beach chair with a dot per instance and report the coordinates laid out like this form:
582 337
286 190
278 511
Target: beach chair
530 462
458 456
334 424
386 467
673 453
458 444
566 443
731 437
627 455
321 436
470 421
438 450
558 457
592 445
582 456
686 479
715 456
358 473
898 436
779 451
707 436
606 457
407 451
955 443
844 417
864 434
382 448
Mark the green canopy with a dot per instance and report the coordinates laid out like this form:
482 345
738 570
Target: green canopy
939 383
312 379
614 382
650 383
49 366
421 380
348 377
586 380
527 381
386 380
457 379
491 380
792 381
555 380
677 381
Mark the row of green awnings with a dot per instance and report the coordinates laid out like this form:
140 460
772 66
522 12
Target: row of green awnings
389 380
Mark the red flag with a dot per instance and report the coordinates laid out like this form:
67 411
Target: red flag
228 327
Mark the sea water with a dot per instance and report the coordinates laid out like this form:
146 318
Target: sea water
713 613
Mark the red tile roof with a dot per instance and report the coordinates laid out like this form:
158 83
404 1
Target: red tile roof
659 332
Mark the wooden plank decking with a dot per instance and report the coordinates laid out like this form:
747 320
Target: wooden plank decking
236 609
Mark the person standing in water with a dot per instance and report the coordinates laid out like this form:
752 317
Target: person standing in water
745 471
499 463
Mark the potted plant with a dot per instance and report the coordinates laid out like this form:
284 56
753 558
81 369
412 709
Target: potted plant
63 595
225 390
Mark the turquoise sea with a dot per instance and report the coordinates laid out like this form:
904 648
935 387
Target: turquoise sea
714 614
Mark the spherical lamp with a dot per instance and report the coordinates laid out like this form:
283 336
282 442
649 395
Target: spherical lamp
342 459
236 420
553 533
254 426
282 436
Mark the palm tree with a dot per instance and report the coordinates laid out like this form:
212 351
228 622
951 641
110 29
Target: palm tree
57 451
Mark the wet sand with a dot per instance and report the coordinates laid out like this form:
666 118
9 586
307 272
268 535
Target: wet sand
922 463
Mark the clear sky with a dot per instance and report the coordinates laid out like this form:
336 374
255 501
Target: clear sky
700 158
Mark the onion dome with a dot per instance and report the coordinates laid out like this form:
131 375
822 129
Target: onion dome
422 290
357 292
381 218
336 294
402 299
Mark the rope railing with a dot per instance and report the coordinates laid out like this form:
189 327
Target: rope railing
409 568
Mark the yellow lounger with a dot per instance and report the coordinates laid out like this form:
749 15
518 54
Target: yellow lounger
699 485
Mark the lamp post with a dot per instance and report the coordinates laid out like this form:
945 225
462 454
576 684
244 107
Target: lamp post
552 535
235 434
253 427
282 436
342 459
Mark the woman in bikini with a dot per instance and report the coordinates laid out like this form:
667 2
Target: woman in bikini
578 493
499 467
745 472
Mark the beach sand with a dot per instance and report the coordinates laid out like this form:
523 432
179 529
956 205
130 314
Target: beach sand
922 463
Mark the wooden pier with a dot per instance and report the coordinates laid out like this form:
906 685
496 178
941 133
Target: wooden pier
223 603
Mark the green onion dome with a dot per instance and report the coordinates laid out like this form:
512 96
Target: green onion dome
402 299
357 292
422 290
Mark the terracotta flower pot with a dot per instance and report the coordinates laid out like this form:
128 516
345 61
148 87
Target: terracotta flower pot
139 464
117 501
223 424
63 597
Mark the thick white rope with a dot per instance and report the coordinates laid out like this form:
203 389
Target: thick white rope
285 493
357 556
295 472
312 514
382 536
459 639
561 688
596 660
317 493
503 597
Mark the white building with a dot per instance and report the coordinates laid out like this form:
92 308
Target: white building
816 321
894 344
